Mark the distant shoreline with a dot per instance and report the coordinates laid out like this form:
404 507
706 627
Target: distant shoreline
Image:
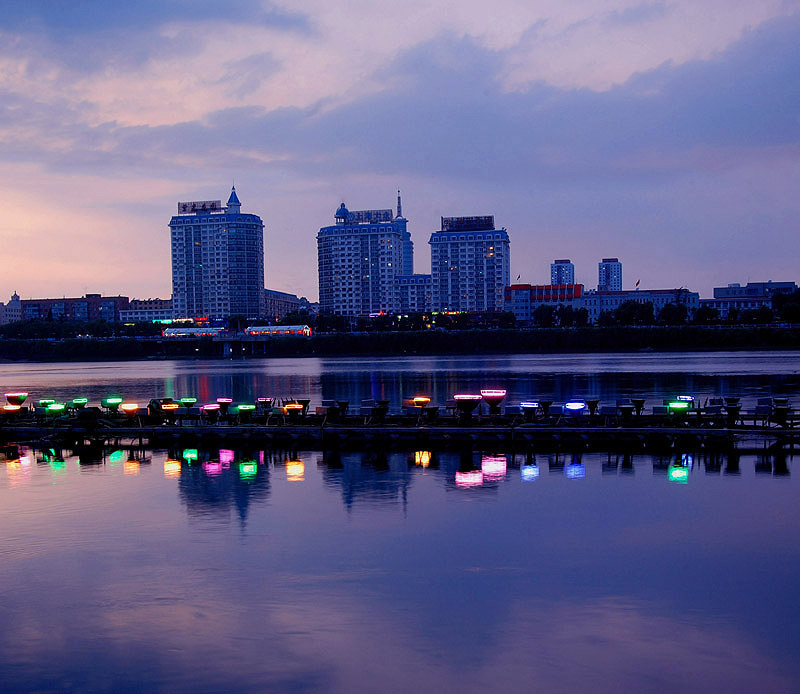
426 342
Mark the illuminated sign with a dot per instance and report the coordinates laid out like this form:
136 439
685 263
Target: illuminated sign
195 206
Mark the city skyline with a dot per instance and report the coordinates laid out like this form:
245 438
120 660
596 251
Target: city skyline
662 133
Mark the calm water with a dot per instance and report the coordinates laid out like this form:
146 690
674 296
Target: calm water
263 571
655 376
260 571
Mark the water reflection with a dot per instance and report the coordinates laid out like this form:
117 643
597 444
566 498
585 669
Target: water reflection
222 482
379 572
747 375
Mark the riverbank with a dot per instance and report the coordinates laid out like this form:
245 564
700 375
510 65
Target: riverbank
425 342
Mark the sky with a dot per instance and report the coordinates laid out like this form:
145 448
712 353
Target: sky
664 133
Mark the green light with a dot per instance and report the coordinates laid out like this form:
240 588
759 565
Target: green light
679 405
246 408
45 402
678 474
80 401
58 465
118 457
188 401
56 407
112 403
190 454
248 470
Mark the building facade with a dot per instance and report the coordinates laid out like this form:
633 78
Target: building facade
609 275
146 311
217 260
750 297
597 302
359 258
470 265
562 272
86 308
278 305
414 293
523 299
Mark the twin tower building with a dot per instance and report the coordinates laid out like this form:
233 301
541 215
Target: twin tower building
365 263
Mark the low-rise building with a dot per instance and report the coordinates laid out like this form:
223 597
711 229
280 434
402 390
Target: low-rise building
523 299
278 305
749 297
86 308
147 311
597 302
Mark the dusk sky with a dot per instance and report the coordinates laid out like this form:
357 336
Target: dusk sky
664 133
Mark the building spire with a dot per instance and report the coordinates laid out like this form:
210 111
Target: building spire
399 204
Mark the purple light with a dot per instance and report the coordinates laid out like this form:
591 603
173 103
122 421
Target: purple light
474 478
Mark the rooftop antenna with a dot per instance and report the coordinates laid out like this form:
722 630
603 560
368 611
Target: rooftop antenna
399 204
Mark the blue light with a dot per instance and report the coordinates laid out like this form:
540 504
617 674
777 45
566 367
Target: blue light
575 471
529 472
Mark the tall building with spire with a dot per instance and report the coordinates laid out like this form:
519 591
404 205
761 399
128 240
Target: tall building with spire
359 258
217 260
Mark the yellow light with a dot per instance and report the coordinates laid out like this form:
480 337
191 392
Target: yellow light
172 468
295 470
131 467
422 458
421 400
129 407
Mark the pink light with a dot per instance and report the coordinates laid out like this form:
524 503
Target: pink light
213 407
493 393
226 455
225 401
474 478
494 467
212 468
467 396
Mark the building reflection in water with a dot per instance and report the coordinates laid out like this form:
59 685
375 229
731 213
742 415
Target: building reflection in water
367 477
223 480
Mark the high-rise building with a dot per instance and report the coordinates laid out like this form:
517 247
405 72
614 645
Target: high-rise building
562 272
217 260
609 275
413 293
470 265
358 259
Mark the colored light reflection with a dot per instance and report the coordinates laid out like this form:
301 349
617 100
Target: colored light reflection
248 470
493 467
529 472
295 470
131 467
467 397
676 473
575 471
226 456
473 478
190 454
117 457
421 400
679 405
422 458
16 398
11 408
172 468
575 405
212 468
